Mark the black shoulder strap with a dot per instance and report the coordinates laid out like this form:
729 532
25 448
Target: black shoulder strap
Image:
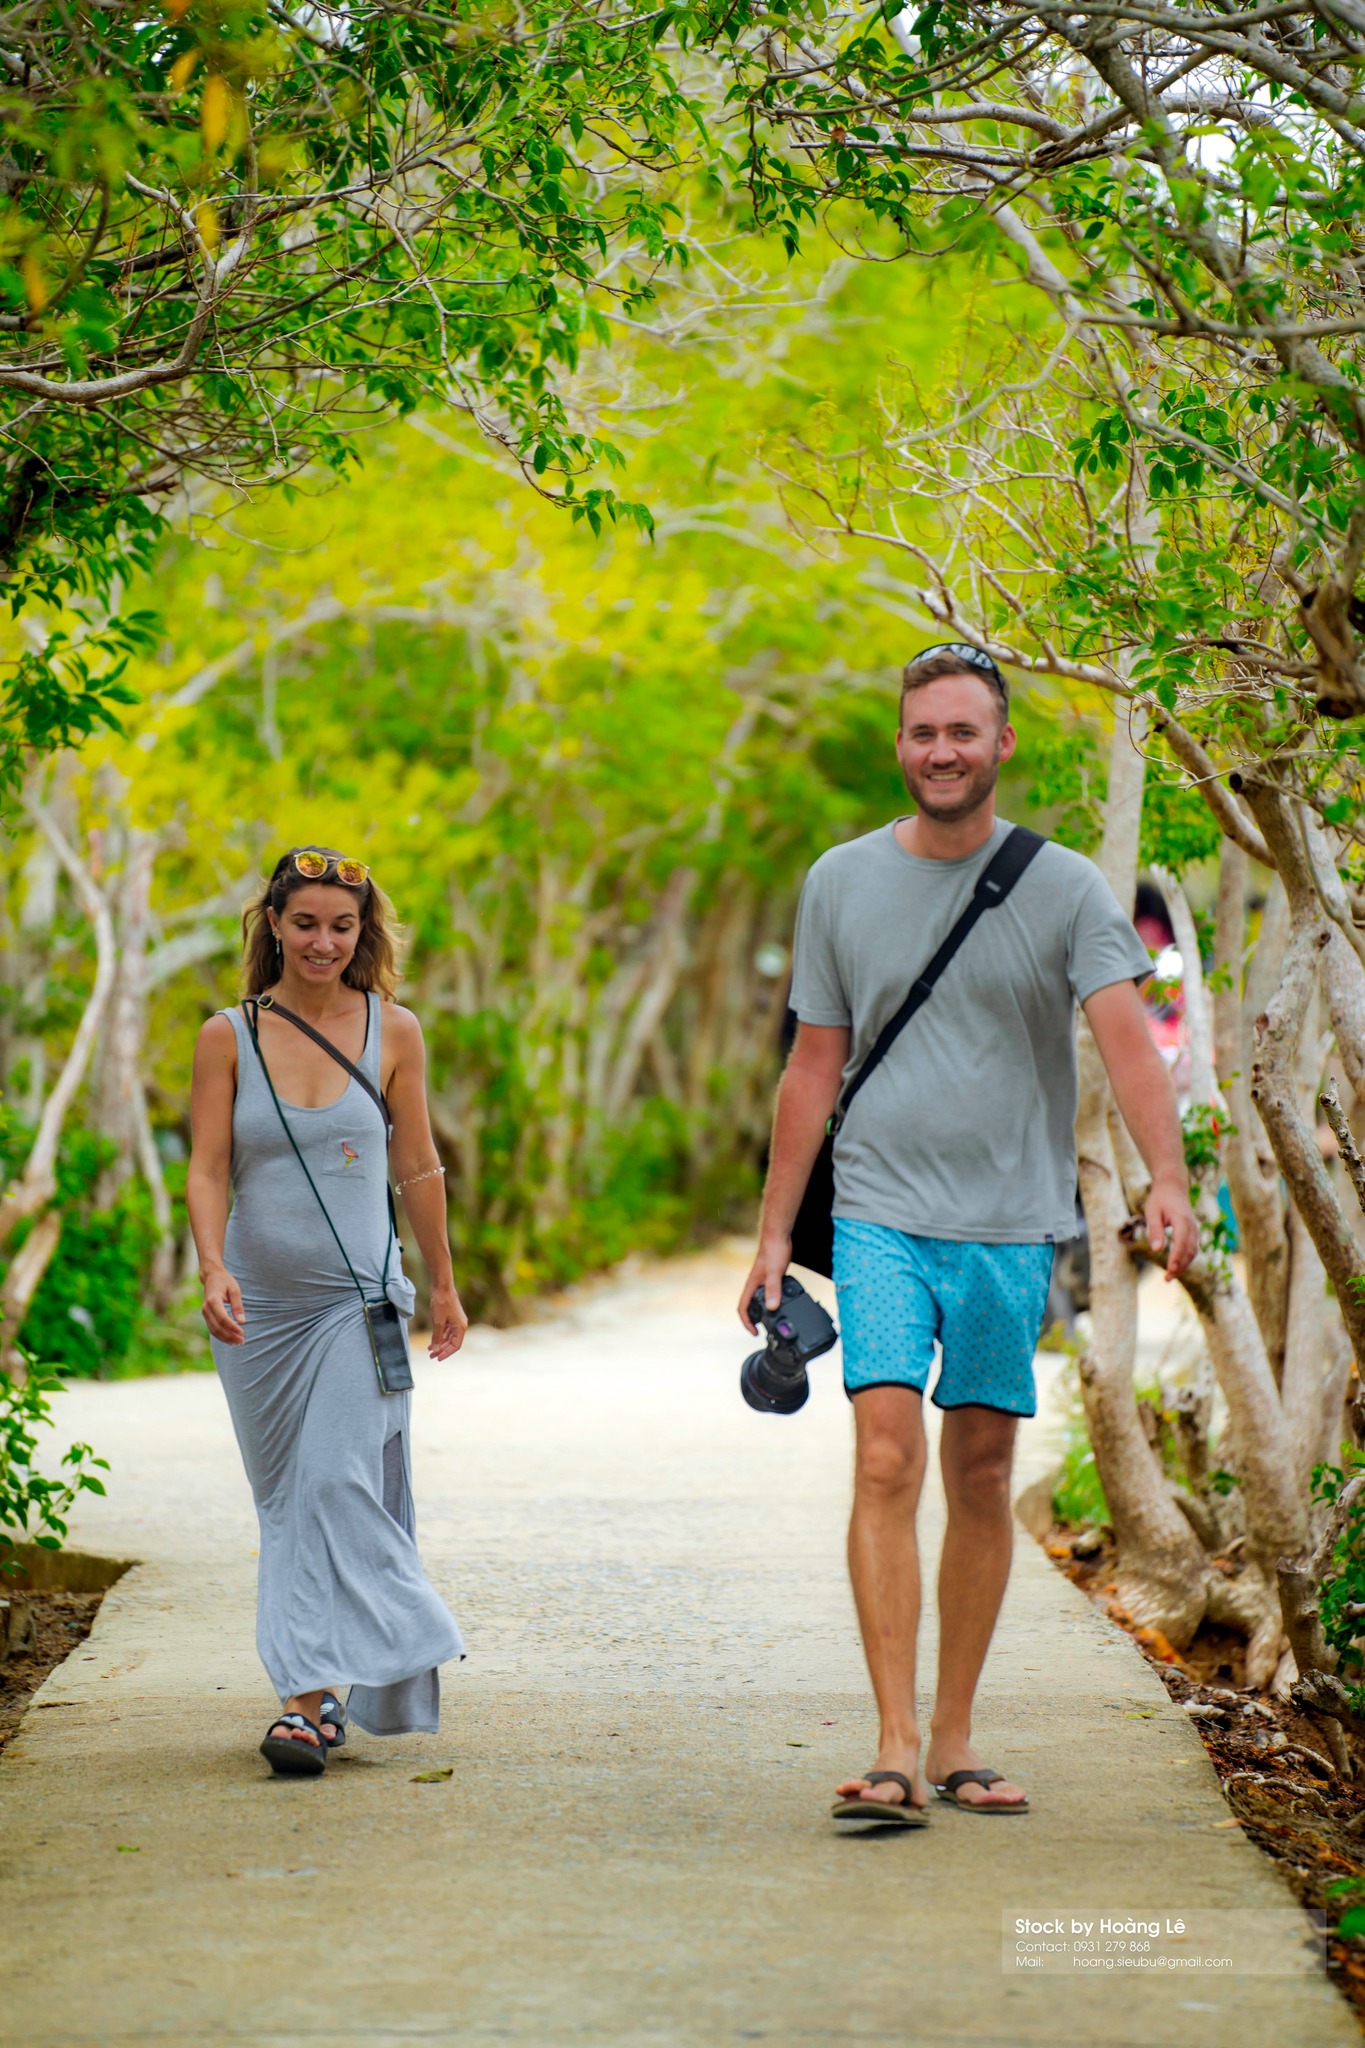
251 1022
998 877
379 1101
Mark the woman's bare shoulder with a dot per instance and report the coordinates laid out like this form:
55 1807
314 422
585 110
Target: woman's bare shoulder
401 1028
217 1038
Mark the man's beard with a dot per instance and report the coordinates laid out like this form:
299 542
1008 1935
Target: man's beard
969 795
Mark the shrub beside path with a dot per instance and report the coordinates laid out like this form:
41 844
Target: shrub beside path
664 1684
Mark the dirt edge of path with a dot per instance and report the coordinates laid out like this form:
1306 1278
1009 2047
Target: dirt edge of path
48 1603
1282 1791
56 1623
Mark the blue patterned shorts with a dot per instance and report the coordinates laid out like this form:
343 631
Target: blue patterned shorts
983 1303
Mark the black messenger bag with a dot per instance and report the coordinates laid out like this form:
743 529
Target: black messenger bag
813 1230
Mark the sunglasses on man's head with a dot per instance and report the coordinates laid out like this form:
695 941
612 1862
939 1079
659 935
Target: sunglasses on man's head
972 656
314 865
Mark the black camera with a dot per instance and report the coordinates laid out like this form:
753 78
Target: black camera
774 1380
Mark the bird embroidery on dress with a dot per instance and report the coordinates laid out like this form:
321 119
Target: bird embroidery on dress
349 1155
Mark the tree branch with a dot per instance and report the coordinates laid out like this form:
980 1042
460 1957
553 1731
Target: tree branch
37 1183
1274 1090
1346 1144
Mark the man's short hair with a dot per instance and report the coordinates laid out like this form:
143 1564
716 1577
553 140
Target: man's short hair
954 658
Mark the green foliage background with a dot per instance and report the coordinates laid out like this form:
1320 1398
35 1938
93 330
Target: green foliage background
532 732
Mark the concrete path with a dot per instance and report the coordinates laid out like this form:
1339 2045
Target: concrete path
664 1684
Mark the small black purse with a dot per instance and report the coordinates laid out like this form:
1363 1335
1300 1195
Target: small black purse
388 1332
385 1326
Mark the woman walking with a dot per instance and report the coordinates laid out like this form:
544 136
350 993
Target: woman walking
294 1094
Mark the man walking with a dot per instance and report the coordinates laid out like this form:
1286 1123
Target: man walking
955 1174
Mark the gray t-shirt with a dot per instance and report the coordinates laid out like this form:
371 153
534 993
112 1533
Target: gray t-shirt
965 1129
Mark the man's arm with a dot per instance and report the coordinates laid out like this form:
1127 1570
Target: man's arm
1146 1100
806 1096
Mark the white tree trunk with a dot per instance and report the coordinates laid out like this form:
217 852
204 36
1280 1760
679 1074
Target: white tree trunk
1248 1159
120 1102
37 914
1161 1569
1274 1497
670 952
26 1270
1311 1389
1274 1089
34 1187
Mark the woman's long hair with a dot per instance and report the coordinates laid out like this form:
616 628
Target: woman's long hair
375 961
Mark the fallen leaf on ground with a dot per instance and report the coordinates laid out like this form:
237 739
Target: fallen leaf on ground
1227 1823
434 1777
128 1849
1153 1640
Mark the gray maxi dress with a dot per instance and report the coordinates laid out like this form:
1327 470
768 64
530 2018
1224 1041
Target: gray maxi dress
342 1597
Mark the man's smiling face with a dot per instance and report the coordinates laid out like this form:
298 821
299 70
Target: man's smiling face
951 745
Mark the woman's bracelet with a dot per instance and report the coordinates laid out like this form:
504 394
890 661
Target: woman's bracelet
413 1178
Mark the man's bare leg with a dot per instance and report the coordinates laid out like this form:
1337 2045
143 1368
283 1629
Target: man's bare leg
883 1563
977 1455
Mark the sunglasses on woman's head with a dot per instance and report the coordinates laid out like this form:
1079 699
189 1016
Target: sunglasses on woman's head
314 865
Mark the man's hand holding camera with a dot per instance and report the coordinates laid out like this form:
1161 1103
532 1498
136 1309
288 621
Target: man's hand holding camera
772 1261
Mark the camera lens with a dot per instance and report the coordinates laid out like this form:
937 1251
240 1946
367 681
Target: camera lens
770 1392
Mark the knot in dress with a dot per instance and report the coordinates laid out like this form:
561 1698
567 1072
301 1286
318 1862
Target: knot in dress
342 1597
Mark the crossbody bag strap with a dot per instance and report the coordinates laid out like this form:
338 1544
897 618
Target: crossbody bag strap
1001 873
376 1095
327 1214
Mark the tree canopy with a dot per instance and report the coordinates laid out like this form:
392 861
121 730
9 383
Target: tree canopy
234 236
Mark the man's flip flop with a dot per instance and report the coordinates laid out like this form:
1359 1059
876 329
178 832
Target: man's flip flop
899 1813
289 1758
948 1790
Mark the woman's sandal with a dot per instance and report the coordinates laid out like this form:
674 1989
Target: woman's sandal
948 1790
332 1715
289 1757
899 1813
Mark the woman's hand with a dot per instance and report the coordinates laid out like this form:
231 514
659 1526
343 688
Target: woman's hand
448 1321
223 1311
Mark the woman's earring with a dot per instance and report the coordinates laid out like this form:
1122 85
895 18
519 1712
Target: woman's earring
279 952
